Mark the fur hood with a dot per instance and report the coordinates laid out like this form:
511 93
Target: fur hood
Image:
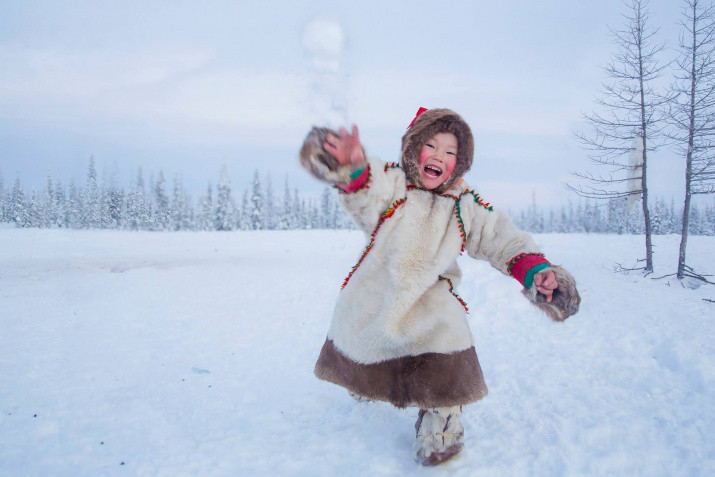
425 126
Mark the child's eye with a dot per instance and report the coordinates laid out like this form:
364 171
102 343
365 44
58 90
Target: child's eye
429 145
452 153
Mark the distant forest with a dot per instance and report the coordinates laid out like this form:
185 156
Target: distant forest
101 203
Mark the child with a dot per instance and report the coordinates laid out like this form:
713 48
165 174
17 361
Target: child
399 331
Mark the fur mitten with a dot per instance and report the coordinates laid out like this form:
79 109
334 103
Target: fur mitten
565 300
321 164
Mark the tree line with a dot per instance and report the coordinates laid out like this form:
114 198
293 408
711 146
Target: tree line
614 217
101 203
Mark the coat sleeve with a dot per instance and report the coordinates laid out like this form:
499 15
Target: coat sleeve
367 197
491 235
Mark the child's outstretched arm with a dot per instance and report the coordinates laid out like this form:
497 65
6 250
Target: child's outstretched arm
338 158
493 236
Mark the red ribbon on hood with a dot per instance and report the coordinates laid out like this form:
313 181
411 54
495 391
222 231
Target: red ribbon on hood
419 111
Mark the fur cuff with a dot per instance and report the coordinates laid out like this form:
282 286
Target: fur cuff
322 165
565 300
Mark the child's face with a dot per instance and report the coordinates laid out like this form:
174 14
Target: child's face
437 160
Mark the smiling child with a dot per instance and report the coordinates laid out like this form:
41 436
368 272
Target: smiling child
399 331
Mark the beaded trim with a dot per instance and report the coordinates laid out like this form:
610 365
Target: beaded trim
510 264
386 215
451 290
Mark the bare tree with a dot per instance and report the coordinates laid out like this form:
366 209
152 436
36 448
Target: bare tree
628 124
692 109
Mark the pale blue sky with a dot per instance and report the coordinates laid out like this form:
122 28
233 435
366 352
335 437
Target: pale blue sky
186 86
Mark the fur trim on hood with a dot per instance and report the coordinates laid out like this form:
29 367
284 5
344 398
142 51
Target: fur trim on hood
425 126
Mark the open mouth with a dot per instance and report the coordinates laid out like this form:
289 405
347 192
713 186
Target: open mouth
432 172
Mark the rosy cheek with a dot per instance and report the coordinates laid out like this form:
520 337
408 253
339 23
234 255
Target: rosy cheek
450 166
424 154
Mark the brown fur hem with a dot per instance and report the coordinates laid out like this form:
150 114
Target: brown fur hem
426 380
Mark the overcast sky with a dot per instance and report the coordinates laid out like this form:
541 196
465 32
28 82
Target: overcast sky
185 86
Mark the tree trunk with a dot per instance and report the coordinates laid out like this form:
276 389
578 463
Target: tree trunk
646 217
644 182
688 160
686 217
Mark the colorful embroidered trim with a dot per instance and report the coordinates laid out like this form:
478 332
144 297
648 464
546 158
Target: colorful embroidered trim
391 165
451 290
364 186
510 264
460 222
479 200
386 215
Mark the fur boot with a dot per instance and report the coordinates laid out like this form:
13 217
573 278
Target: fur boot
322 165
440 435
565 300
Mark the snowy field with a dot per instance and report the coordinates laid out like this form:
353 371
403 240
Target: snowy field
192 354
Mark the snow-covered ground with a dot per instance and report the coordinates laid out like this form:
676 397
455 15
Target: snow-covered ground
192 354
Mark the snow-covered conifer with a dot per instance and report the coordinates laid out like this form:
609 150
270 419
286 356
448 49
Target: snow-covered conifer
695 224
710 222
296 219
269 210
257 211
91 216
326 218
113 203
18 205
135 206
245 215
3 199
60 205
180 204
49 209
659 217
284 214
34 211
224 203
562 220
74 207
204 211
162 213
617 214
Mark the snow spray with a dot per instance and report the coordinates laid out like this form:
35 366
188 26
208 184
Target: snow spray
323 41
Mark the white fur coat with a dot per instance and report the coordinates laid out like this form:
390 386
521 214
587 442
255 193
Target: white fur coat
401 299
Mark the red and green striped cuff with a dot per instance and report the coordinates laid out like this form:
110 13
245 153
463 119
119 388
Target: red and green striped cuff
524 266
359 178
